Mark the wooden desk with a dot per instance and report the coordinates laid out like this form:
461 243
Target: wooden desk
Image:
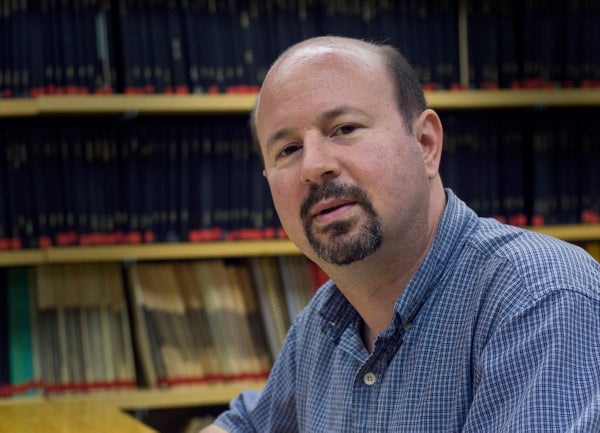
67 417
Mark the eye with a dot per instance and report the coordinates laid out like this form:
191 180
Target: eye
345 129
288 150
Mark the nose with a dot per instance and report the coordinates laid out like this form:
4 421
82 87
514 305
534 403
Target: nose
319 160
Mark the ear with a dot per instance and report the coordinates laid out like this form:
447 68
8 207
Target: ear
430 135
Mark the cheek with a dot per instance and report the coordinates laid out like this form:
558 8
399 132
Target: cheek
394 174
287 198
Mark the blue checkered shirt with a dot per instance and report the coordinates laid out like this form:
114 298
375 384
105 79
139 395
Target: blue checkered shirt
498 331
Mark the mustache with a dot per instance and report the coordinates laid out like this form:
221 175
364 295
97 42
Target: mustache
332 189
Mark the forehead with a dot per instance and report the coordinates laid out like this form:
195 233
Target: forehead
318 78
343 59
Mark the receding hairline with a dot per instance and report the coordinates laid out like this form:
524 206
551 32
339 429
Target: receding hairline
388 56
304 48
321 45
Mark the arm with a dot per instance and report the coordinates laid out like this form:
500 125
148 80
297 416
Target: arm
213 429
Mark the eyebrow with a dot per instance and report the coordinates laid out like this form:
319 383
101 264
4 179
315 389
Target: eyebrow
283 132
339 111
322 117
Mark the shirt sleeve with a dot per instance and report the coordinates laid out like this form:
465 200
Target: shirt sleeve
274 408
540 371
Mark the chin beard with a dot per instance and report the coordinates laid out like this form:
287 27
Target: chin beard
342 247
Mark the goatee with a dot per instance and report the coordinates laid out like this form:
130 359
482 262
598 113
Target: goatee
342 247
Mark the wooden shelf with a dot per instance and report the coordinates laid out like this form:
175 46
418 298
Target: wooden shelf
161 104
67 416
95 105
571 232
148 252
524 98
221 249
21 257
193 396
18 107
217 394
146 104
177 251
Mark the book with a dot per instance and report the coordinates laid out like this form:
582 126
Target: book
116 309
568 190
240 271
177 59
5 379
195 324
176 345
544 199
482 18
219 318
269 289
83 328
143 331
589 154
296 280
23 377
204 350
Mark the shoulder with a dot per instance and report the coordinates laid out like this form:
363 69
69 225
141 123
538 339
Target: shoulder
540 263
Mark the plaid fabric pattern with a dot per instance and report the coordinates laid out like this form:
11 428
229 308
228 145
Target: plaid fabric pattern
498 331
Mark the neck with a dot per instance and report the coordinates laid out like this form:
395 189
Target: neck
374 284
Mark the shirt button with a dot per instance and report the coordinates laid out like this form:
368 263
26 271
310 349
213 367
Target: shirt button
370 378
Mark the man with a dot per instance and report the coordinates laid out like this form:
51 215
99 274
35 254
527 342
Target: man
434 319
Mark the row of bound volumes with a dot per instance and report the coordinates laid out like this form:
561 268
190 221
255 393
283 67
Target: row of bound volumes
55 47
107 181
111 181
78 328
196 46
533 43
526 167
81 328
68 330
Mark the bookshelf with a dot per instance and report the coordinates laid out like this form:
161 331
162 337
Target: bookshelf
75 107
225 104
168 105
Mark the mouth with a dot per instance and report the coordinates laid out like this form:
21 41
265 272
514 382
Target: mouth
330 203
330 210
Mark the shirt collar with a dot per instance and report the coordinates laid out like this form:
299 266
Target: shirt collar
456 224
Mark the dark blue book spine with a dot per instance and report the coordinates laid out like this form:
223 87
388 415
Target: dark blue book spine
189 45
508 50
177 60
182 182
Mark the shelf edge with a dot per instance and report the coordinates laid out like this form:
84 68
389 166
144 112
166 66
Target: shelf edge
222 104
202 395
175 251
219 249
